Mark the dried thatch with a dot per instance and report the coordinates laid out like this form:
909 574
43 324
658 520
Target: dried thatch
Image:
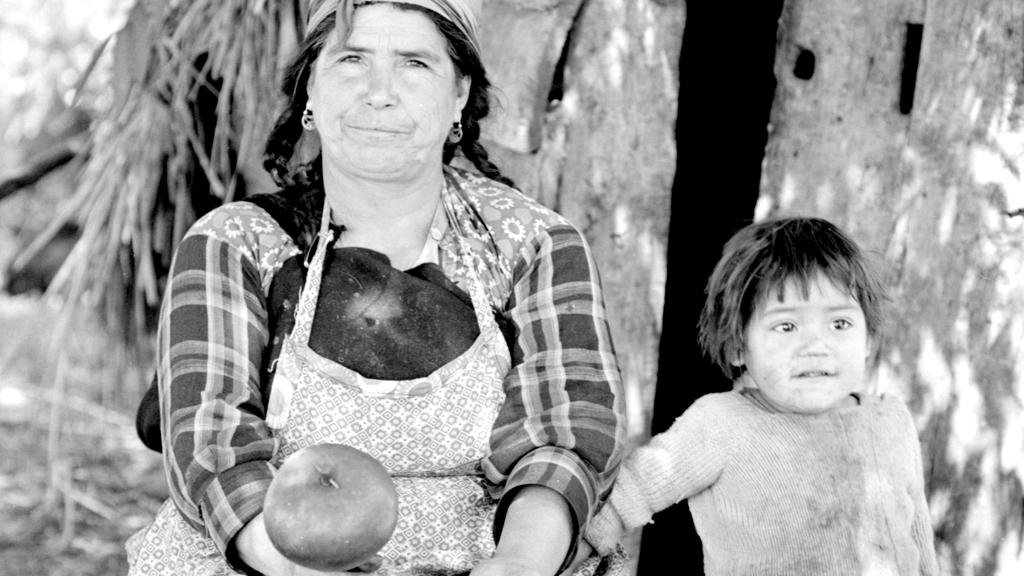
198 94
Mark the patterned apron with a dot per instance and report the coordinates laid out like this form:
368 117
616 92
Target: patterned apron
430 433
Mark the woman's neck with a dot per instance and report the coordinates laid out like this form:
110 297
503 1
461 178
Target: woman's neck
393 218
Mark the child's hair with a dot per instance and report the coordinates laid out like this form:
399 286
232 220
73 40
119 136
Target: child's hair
760 258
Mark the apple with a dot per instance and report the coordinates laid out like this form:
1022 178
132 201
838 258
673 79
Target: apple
331 507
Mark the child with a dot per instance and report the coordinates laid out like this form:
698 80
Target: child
798 470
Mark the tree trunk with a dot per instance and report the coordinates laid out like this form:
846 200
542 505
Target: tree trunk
587 92
923 165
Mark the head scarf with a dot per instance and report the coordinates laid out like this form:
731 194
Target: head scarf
462 13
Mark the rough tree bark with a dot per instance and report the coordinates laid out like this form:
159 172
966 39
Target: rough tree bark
925 170
585 122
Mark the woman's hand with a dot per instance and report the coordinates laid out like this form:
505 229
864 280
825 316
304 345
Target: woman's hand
368 567
256 550
535 537
509 567
504 567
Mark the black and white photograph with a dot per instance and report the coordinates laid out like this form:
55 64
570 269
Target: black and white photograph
511 288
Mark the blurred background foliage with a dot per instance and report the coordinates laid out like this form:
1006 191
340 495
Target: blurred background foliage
74 481
56 78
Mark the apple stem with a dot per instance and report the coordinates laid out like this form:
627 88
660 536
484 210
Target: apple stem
325 477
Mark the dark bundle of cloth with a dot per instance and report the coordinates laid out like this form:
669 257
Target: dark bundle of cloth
381 322
384 323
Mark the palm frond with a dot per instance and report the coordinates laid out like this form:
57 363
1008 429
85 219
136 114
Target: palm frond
185 139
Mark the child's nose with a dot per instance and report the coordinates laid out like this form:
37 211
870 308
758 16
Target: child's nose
814 342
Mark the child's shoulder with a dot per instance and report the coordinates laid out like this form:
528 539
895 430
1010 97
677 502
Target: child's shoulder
888 406
719 404
890 423
886 401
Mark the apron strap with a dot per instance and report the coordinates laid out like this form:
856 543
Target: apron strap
306 309
477 292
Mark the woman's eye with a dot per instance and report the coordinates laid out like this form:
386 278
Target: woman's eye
416 63
348 59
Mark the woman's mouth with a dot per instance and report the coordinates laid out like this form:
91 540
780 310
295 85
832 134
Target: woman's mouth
378 129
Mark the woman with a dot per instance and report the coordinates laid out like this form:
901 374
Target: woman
501 457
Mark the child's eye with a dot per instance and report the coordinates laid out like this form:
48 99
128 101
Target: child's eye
842 324
784 327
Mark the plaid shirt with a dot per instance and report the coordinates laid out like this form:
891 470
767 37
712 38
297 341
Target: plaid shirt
562 424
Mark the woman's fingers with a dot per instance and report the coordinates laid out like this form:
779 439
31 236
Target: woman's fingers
370 565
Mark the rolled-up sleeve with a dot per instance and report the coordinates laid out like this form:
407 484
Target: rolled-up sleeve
562 424
212 333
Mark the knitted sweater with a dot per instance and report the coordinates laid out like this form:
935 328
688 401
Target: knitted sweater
835 493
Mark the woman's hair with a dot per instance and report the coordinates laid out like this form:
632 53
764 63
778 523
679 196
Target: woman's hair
287 130
759 259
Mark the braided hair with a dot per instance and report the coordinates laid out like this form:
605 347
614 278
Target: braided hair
287 129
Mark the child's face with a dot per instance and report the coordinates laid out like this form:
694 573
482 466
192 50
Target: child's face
807 355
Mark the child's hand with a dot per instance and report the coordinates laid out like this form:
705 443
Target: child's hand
583 551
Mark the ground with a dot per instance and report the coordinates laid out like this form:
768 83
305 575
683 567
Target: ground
75 481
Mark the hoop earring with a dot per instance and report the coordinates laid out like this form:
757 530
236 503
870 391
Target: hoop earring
455 134
307 119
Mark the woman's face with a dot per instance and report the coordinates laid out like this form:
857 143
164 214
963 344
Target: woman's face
807 355
385 101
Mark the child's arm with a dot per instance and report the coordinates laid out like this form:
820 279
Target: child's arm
922 531
924 537
676 464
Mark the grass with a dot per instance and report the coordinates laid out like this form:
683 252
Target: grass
75 481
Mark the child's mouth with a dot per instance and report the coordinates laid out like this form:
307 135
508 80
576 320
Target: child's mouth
814 374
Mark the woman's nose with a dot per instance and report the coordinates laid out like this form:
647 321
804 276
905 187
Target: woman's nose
380 91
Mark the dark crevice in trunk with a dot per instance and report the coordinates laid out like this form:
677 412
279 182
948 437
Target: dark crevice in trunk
727 84
911 58
558 77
